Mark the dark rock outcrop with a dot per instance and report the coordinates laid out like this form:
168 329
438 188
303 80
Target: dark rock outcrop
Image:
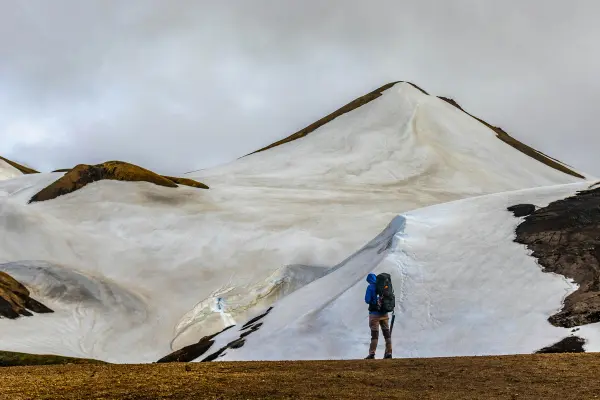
522 210
15 300
84 174
22 168
565 239
570 344
247 329
193 351
256 319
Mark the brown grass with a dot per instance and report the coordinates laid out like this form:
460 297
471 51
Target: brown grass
15 300
84 174
13 359
22 168
548 376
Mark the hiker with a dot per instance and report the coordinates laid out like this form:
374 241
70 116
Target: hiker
380 298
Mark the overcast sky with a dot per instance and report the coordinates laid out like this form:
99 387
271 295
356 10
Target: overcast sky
181 85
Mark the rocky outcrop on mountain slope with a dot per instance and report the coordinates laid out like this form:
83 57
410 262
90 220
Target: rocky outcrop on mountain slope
522 210
523 148
84 174
187 182
15 300
565 239
22 168
193 351
570 344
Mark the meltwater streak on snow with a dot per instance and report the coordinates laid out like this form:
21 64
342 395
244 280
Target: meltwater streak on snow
463 287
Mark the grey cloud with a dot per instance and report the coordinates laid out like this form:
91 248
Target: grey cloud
176 86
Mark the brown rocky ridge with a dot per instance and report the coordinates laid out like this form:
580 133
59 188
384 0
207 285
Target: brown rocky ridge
522 147
84 174
15 300
565 238
22 168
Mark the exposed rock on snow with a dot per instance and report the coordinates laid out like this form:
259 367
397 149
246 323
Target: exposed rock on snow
187 182
521 210
193 351
522 147
23 169
565 238
84 174
570 344
15 300
256 319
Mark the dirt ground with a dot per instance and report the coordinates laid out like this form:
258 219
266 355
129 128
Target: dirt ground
544 376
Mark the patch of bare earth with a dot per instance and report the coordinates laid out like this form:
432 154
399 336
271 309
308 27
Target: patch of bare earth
565 239
84 174
545 376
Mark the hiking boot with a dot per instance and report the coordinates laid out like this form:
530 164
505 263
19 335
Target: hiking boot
388 355
370 357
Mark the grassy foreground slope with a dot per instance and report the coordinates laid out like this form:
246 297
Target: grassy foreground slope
558 376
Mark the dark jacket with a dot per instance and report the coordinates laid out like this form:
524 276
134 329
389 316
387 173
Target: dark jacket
371 295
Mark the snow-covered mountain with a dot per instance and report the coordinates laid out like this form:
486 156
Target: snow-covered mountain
134 270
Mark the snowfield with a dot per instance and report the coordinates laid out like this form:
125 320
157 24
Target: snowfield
134 271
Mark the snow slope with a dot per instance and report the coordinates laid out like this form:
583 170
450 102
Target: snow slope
134 270
464 288
7 171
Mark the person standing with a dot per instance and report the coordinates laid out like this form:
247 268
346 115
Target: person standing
380 298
